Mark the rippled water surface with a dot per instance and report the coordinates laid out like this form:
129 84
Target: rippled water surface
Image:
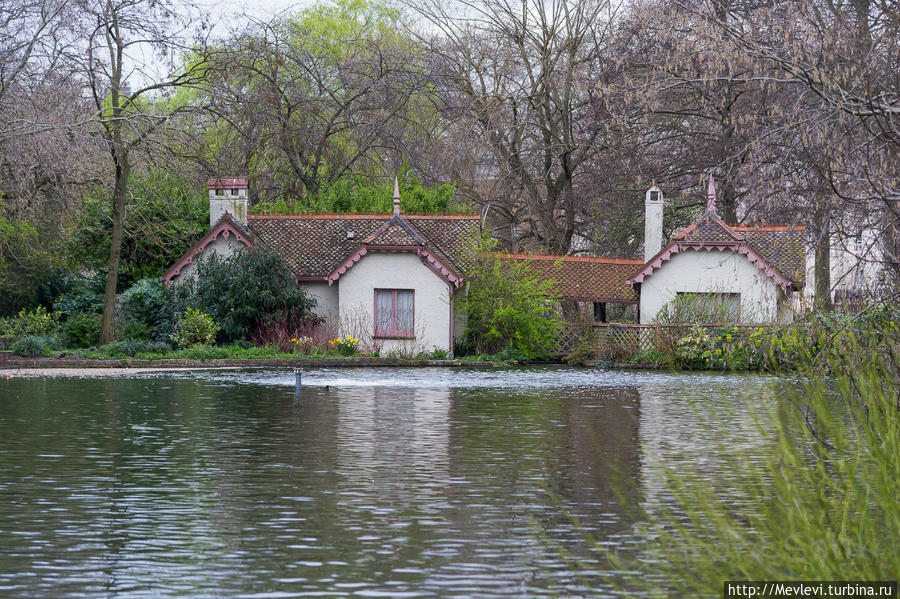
366 482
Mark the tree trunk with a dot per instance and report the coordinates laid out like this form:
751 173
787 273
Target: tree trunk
822 268
123 168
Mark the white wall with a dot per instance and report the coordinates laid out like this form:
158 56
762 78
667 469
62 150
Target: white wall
356 295
221 246
856 264
326 298
711 272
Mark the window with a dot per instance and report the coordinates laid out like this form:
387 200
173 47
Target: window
394 313
709 307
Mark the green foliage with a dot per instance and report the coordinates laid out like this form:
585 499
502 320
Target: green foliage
165 214
245 291
194 328
37 322
81 330
508 306
29 259
357 194
82 295
345 346
148 308
440 354
32 346
131 347
823 507
692 350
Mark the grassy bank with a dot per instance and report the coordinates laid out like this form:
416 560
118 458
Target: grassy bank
822 507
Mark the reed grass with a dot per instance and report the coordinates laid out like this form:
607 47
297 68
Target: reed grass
825 505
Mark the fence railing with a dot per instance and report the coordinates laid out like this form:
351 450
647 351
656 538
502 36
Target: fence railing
622 341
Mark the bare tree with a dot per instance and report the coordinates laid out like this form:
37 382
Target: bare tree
528 77
846 54
117 36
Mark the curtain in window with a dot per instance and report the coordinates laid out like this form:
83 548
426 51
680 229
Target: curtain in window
405 310
384 307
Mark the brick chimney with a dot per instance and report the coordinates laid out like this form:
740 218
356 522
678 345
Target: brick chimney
653 222
227 194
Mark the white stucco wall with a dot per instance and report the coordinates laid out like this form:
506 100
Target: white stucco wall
356 299
711 272
856 264
326 299
221 246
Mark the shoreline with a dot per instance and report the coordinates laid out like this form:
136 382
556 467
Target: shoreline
18 367
84 367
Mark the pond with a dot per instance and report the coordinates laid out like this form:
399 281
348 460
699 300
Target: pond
366 482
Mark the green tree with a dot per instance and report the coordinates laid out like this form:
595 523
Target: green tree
127 119
508 306
308 100
164 216
357 194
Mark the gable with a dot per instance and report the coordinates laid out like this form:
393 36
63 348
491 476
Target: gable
226 229
777 251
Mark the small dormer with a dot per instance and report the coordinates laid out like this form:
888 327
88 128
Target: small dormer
227 194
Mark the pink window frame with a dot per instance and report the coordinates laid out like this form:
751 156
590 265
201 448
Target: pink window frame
394 333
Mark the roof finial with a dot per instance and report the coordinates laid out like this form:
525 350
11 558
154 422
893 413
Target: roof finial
711 195
396 197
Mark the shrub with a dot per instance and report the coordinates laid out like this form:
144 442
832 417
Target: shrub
439 354
194 328
31 346
508 306
37 322
81 330
586 347
147 307
83 296
692 350
690 308
245 292
133 347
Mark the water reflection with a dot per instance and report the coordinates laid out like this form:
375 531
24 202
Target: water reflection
232 484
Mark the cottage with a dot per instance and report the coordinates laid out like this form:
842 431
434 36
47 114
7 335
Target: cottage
750 271
390 279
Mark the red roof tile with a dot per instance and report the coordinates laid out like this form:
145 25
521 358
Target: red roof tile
227 183
584 278
315 245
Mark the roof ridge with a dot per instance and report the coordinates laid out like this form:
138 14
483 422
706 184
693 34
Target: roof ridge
570 258
360 215
768 227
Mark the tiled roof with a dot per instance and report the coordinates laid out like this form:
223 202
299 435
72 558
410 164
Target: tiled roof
314 245
584 278
783 247
708 227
